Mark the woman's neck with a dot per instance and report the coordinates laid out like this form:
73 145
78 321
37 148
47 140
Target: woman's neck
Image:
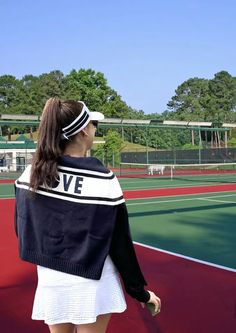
73 151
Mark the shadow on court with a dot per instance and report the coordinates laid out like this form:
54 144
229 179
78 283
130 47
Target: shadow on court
160 211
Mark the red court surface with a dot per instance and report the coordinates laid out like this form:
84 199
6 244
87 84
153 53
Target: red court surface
195 298
7 181
147 193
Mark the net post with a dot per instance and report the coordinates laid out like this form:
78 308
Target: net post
171 172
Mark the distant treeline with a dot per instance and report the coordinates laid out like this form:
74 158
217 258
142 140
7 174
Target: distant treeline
29 94
195 99
206 100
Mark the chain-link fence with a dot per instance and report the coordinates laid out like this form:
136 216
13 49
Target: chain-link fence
198 156
15 161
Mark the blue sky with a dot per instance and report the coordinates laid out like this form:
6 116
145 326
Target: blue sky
144 48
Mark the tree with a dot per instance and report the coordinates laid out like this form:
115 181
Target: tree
190 99
30 98
205 100
92 88
86 85
109 152
9 91
51 85
222 105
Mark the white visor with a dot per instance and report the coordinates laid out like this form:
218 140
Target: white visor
81 121
94 115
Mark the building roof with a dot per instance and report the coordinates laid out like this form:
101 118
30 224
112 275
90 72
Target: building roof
17 145
22 137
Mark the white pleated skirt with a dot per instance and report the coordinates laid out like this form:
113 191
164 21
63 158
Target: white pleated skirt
65 298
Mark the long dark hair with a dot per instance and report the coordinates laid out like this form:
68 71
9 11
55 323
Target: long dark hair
56 115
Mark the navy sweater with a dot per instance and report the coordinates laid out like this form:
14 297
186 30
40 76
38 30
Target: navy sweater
73 226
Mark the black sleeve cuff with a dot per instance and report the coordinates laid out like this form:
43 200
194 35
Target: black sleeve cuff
141 295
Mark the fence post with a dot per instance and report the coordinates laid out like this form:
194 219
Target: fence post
147 158
199 155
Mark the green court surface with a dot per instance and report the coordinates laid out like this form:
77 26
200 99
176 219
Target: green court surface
198 226
181 181
10 175
7 190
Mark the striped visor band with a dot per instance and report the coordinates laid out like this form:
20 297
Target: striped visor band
81 122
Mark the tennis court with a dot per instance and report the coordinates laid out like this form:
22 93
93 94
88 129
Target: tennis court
184 232
202 226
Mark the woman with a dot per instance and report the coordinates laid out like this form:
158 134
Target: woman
72 222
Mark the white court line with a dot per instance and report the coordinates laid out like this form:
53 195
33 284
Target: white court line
159 202
131 181
216 200
162 188
6 196
167 196
187 258
177 200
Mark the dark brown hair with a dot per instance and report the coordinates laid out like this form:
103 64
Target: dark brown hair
56 115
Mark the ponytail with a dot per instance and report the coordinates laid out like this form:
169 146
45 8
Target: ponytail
44 165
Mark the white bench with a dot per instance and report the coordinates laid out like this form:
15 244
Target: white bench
4 169
156 168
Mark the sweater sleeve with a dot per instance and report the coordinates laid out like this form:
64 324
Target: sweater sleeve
123 255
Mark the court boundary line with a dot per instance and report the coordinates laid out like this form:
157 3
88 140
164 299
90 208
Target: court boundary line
181 195
183 184
167 196
178 200
165 201
207 263
169 186
212 200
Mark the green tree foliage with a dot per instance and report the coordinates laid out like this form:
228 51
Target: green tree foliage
51 85
189 102
205 100
232 142
92 88
195 99
190 146
29 94
222 105
9 93
109 152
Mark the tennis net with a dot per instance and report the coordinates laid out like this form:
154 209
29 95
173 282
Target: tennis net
221 172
